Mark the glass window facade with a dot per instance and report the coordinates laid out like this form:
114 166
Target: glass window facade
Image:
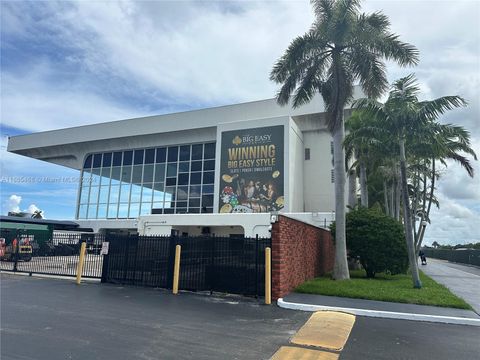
164 180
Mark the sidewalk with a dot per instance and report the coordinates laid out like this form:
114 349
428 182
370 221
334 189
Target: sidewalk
464 281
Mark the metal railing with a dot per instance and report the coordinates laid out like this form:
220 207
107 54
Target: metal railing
56 254
220 264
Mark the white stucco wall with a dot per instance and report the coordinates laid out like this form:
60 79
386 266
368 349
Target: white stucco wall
294 162
219 224
318 187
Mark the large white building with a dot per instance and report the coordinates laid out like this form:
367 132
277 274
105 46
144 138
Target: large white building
235 165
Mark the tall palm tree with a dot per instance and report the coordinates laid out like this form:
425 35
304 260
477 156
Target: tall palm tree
437 142
404 117
342 46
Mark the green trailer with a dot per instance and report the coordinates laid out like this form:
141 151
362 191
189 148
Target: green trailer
25 236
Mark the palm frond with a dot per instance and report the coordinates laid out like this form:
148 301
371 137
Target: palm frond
323 9
369 70
432 109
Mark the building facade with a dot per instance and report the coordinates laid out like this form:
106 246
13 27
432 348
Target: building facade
227 167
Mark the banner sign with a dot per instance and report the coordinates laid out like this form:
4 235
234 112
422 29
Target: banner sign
252 170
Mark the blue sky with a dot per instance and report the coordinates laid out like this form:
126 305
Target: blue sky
67 63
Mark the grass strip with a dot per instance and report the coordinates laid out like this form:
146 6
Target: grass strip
384 287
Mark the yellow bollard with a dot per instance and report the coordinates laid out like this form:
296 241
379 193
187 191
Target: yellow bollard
268 276
176 269
81 260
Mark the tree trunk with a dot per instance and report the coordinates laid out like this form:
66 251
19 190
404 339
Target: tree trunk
427 215
392 196
363 185
398 194
407 219
352 188
340 269
385 197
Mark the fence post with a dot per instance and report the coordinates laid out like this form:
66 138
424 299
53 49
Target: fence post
176 269
268 276
106 259
15 247
256 265
81 259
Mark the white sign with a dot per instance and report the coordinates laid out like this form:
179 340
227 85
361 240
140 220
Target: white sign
104 250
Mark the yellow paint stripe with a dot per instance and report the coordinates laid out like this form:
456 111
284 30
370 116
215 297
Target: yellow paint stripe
294 353
326 329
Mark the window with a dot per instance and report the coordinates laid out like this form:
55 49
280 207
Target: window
307 153
332 176
138 158
161 155
127 157
172 153
88 162
97 160
149 156
126 184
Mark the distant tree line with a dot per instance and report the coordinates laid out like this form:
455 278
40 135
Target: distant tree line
436 245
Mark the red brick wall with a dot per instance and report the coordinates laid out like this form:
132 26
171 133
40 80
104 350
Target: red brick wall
299 252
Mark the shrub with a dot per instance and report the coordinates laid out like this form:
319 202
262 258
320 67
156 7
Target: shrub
377 240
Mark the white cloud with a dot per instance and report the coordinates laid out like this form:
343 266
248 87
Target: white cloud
452 224
13 203
32 208
30 103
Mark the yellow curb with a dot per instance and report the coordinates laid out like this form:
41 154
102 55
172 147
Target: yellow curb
294 353
326 329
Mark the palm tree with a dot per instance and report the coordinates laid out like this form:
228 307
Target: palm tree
342 46
37 214
406 119
437 142
361 148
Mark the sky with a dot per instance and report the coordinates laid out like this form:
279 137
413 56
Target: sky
69 63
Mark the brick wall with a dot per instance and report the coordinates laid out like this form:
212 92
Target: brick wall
299 252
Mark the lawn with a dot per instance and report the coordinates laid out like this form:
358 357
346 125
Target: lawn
394 288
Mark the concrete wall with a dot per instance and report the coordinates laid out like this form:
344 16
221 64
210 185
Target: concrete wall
318 187
294 149
49 145
299 252
220 224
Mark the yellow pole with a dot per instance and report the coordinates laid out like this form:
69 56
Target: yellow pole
268 276
176 269
81 260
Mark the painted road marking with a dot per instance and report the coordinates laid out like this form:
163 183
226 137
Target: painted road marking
295 353
326 329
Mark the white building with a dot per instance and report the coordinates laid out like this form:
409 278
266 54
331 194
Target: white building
221 170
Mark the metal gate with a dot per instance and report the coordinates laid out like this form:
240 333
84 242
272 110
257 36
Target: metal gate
56 254
221 264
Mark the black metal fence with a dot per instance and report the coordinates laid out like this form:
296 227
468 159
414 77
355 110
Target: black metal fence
220 264
470 257
52 254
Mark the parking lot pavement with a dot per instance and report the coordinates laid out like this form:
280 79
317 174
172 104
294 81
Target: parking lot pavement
390 339
55 319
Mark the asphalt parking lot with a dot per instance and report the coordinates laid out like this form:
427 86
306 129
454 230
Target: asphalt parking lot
55 319
44 318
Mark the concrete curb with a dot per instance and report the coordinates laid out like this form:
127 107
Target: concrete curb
380 314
